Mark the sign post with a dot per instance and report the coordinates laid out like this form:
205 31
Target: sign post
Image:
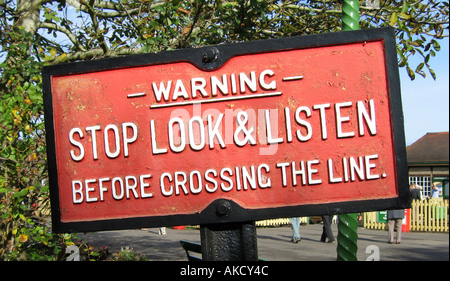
347 238
223 136
227 241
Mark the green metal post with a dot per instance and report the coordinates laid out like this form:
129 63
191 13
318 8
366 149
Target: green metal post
350 15
347 238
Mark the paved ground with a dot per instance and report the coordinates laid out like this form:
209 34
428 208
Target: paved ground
274 244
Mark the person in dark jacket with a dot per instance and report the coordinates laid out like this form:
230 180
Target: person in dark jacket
395 219
415 192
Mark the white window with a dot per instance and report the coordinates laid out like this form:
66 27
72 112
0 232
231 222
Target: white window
424 182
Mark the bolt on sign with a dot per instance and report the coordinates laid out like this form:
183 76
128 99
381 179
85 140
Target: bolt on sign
278 128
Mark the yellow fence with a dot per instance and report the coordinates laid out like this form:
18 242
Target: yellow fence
370 221
424 215
429 215
279 222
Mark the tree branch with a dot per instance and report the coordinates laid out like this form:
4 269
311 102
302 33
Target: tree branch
70 35
196 17
98 32
96 53
119 12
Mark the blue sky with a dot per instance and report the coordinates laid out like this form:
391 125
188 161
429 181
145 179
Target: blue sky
426 101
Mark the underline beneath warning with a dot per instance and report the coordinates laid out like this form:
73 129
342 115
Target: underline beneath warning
153 106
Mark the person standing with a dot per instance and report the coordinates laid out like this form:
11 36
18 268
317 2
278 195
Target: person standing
395 219
435 191
415 192
295 225
326 231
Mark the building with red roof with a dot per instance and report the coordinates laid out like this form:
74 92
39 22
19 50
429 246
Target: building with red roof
428 162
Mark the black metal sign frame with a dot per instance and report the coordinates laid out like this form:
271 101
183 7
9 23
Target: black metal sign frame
209 58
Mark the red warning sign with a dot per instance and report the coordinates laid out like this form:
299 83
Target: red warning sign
283 128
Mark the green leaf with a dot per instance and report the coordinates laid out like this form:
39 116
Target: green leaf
420 66
415 43
436 45
403 63
405 7
53 52
21 193
393 19
433 74
404 16
411 73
